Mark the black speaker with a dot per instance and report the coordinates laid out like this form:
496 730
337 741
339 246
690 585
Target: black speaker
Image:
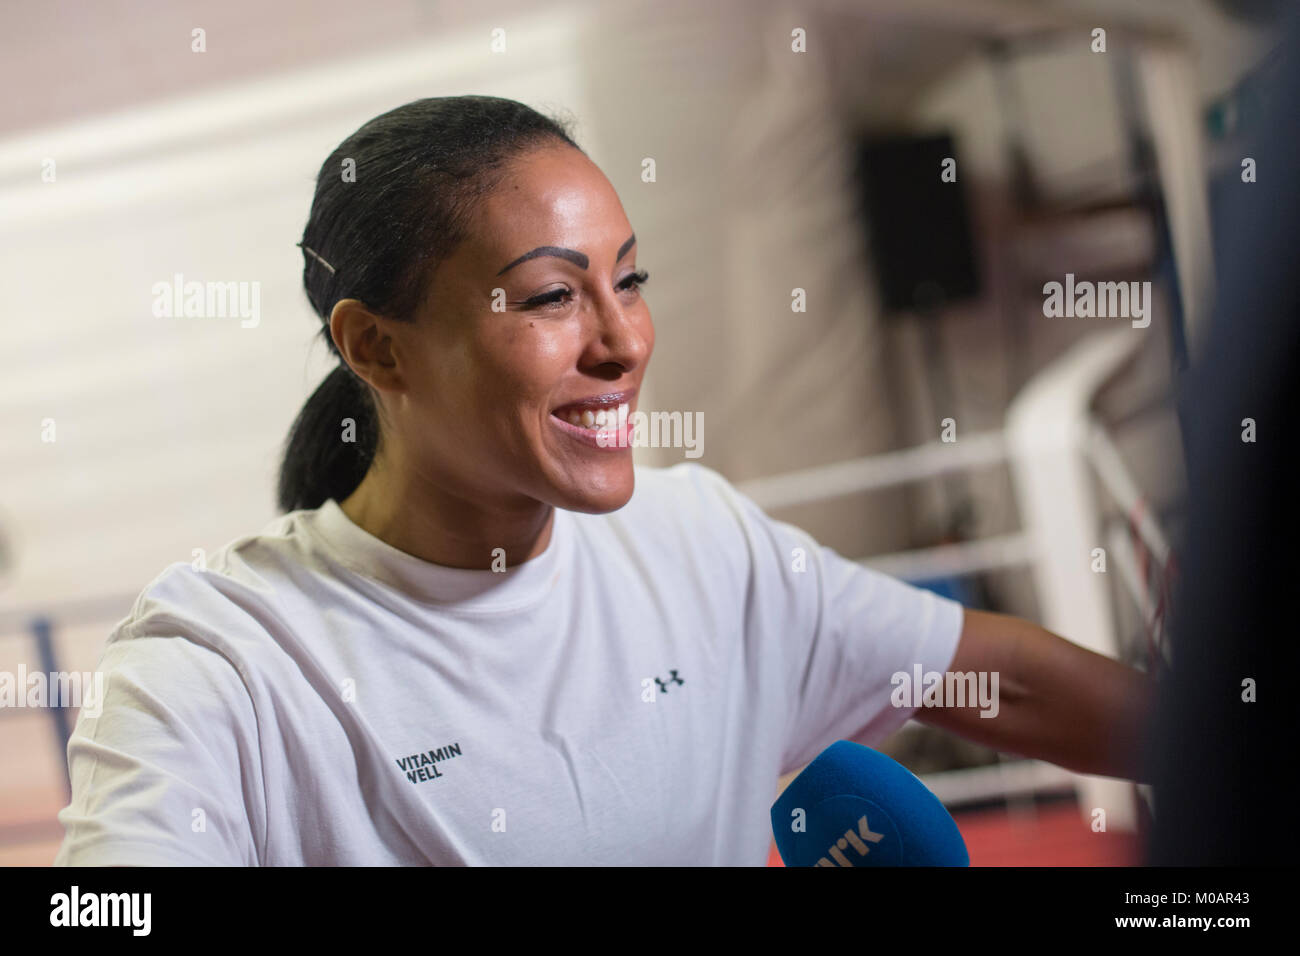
918 227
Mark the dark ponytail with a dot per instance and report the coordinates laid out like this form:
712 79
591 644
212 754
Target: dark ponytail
392 201
319 461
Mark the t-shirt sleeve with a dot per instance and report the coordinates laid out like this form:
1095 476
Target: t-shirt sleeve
164 766
838 631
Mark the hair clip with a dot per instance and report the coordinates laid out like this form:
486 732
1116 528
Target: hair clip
312 252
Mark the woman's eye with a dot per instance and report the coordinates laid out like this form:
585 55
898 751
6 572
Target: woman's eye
548 298
558 297
635 280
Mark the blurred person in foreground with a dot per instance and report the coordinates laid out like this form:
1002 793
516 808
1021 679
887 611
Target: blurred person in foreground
1222 755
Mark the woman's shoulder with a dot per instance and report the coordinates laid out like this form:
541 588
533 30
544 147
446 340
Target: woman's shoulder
222 599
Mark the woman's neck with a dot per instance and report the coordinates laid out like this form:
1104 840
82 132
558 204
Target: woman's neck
441 527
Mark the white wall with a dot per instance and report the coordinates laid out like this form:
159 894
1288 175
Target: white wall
168 429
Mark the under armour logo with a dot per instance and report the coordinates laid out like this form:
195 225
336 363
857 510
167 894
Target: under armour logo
663 685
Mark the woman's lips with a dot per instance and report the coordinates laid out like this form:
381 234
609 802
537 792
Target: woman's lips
610 401
616 438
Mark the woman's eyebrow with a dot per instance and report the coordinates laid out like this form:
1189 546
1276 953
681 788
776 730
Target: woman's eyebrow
577 258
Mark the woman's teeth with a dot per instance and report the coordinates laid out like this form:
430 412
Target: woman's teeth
603 418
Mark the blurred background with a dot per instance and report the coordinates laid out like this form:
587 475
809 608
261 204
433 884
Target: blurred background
921 413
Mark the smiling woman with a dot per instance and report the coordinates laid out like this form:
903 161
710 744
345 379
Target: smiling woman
475 277
480 635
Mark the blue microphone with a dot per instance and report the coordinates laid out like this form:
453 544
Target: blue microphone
853 806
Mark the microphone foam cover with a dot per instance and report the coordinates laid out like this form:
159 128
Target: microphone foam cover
853 806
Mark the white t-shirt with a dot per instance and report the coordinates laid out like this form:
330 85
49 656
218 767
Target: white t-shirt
628 697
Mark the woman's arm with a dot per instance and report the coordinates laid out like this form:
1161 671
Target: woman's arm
1057 701
165 770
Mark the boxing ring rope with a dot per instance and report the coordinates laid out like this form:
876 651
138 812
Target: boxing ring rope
876 471
1116 479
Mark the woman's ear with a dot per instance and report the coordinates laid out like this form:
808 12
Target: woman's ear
364 340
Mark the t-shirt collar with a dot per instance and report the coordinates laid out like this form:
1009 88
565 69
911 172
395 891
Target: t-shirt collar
458 589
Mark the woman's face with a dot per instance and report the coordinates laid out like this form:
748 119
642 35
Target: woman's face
553 250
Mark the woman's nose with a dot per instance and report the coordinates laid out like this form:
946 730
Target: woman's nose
622 333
